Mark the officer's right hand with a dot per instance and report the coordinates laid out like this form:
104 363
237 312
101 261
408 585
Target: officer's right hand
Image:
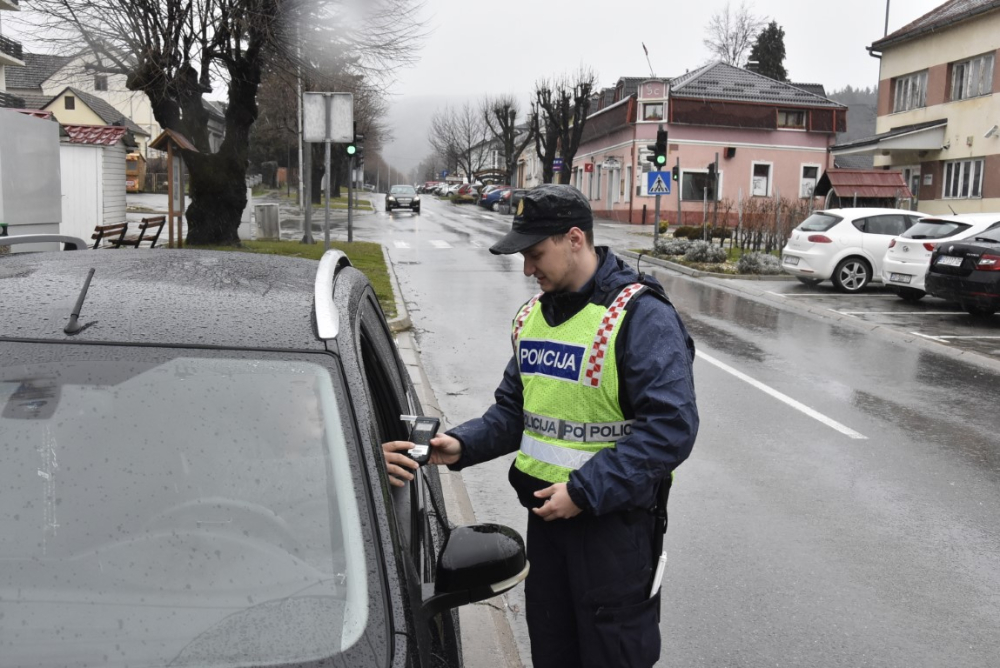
445 449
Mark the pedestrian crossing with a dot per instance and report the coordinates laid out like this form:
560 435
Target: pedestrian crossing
435 244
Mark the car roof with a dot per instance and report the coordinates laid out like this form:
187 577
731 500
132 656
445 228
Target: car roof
867 211
967 218
168 297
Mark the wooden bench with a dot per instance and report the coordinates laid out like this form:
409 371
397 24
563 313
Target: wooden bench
114 236
109 236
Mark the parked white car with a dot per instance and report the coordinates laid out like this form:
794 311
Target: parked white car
845 246
905 263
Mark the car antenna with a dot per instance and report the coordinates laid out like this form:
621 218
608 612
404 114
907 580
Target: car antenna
952 210
74 327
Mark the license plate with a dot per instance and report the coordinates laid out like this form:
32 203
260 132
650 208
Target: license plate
949 261
789 259
900 278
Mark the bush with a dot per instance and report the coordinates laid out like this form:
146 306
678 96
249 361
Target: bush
673 247
758 263
705 252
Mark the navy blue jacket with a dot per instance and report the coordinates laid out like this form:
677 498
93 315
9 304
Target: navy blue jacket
655 357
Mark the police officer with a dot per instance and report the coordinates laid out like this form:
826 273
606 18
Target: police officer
598 401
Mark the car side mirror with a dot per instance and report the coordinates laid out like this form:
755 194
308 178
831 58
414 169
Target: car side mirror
478 561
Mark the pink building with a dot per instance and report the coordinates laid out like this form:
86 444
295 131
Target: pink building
772 139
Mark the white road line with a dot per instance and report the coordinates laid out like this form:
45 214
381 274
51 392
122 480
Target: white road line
964 338
437 243
830 422
486 217
401 244
928 336
476 244
827 294
899 312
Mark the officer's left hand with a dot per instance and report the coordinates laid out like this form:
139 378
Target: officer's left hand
558 505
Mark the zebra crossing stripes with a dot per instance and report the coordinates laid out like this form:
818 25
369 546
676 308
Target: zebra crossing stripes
438 243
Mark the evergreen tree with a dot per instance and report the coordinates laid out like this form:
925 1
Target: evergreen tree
769 52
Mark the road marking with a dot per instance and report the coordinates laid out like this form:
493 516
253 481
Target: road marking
963 338
401 244
899 312
476 244
437 243
485 217
827 294
928 336
830 422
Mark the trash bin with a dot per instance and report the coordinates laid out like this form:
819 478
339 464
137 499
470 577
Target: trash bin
266 216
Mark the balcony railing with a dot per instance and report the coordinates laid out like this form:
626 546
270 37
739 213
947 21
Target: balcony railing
8 101
11 48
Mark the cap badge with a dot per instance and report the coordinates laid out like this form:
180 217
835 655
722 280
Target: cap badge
520 207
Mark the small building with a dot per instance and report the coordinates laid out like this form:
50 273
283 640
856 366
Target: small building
938 114
871 188
772 139
92 165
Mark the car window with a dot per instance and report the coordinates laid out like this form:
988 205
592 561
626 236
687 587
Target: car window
403 190
891 224
993 234
934 229
194 499
819 222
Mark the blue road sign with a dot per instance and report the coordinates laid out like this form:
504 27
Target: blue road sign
658 183
556 164
444 173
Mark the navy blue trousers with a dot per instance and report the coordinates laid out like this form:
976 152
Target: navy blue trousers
587 592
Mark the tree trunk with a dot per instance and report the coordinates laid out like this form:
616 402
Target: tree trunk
218 197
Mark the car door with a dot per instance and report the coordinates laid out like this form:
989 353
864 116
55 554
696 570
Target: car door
878 231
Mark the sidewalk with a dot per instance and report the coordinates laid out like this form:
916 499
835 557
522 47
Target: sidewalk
487 639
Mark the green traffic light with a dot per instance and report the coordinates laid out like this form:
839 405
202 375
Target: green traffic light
351 149
661 159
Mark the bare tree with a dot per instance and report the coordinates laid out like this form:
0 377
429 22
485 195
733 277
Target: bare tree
500 114
459 136
731 34
174 51
560 112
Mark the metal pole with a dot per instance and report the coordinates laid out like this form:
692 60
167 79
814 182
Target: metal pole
350 192
306 194
715 194
886 18
679 219
329 182
656 223
704 213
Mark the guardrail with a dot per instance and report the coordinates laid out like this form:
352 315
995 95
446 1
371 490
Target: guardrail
11 48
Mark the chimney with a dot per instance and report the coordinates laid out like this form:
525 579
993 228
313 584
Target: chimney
753 65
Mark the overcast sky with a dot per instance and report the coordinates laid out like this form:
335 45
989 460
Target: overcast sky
476 48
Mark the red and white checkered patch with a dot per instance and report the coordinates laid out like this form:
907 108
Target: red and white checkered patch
595 361
519 320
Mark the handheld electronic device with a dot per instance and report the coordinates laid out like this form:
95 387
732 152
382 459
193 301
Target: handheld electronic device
421 433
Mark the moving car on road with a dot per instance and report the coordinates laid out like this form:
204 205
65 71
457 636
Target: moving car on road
909 254
967 272
402 197
192 470
845 246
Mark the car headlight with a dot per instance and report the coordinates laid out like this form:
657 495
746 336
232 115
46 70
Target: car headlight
416 199
391 198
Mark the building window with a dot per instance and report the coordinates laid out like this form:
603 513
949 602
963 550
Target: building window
760 184
69 102
810 177
652 112
963 179
694 183
972 78
790 118
910 92
100 82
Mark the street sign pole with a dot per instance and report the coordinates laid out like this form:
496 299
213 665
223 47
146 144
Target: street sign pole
656 214
350 193
679 219
326 215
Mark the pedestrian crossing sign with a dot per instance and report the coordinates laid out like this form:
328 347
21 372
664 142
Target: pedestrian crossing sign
656 184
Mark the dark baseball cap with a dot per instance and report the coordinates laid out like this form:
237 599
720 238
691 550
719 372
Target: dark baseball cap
544 211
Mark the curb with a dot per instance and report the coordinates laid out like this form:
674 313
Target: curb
697 273
402 321
882 331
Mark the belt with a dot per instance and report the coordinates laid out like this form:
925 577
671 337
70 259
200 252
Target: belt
577 432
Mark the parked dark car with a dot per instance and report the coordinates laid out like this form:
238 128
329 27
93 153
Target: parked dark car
967 272
192 476
402 197
492 199
512 198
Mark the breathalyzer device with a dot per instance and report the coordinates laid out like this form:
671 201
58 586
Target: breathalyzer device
421 433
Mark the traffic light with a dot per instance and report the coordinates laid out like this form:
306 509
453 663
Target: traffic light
659 149
676 173
351 149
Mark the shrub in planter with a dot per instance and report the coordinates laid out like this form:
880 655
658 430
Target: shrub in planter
758 263
673 247
705 252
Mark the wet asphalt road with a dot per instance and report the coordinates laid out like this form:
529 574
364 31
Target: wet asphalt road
841 505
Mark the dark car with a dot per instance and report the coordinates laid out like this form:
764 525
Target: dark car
492 199
967 272
402 197
193 476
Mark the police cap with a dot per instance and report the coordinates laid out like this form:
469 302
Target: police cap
544 211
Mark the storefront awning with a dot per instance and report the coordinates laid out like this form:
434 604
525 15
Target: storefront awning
927 136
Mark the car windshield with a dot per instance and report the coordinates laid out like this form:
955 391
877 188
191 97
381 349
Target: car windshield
819 222
934 229
991 235
192 511
403 190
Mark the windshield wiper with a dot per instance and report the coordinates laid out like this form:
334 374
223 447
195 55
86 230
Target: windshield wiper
987 240
919 236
